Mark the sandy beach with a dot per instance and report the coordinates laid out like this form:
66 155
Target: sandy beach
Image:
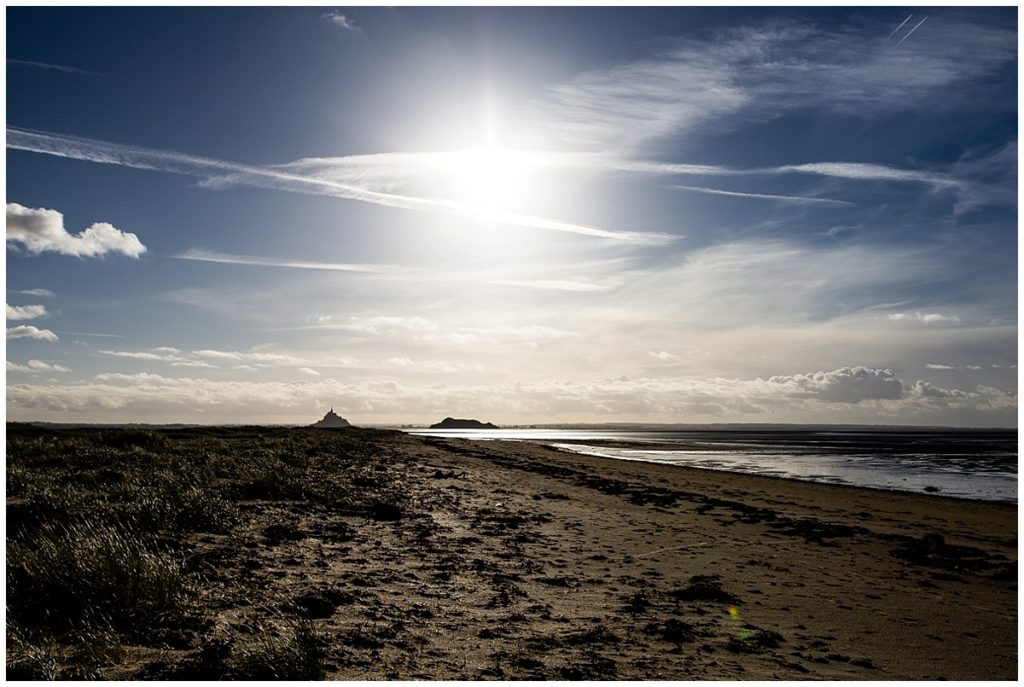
514 560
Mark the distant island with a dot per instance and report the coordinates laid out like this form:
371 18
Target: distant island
332 419
456 423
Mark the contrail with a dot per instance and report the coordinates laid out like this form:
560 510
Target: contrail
802 200
899 27
912 30
53 67
258 261
103 152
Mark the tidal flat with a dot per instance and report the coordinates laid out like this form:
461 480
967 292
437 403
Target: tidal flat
268 553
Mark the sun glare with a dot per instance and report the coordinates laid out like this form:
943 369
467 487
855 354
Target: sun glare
489 179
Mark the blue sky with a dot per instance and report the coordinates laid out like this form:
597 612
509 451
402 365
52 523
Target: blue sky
517 214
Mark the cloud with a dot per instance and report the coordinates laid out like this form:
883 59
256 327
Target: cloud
924 389
859 171
422 329
969 366
41 230
762 71
799 200
27 331
924 318
163 354
25 312
845 385
842 395
901 24
250 357
36 366
432 366
990 178
340 20
926 396
210 256
309 371
52 67
552 284
79 148
852 171
396 272
396 170
380 324
915 28
757 281
97 334
664 356
41 293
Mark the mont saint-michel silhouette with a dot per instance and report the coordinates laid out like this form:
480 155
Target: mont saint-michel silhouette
332 419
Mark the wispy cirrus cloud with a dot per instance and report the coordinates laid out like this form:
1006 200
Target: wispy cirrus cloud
342 21
200 255
421 329
80 148
396 170
758 72
770 281
799 200
40 293
96 334
924 317
163 354
553 284
397 272
52 67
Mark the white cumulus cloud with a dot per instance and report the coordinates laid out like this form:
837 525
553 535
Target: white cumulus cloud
845 385
25 312
40 230
27 331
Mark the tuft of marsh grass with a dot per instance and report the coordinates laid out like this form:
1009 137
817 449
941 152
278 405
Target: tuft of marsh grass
66 573
293 652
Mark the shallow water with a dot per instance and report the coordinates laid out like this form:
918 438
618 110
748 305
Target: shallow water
973 464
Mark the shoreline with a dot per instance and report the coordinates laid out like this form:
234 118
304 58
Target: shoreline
385 555
928 556
1011 503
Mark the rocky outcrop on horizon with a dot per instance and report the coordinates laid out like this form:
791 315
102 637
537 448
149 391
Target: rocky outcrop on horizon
456 423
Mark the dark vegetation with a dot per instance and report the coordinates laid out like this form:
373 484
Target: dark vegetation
101 526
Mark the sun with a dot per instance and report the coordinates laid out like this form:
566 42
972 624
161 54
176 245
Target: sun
491 179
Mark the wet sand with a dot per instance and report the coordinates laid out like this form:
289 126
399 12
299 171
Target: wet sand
514 560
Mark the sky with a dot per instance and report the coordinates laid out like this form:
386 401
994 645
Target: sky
520 215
